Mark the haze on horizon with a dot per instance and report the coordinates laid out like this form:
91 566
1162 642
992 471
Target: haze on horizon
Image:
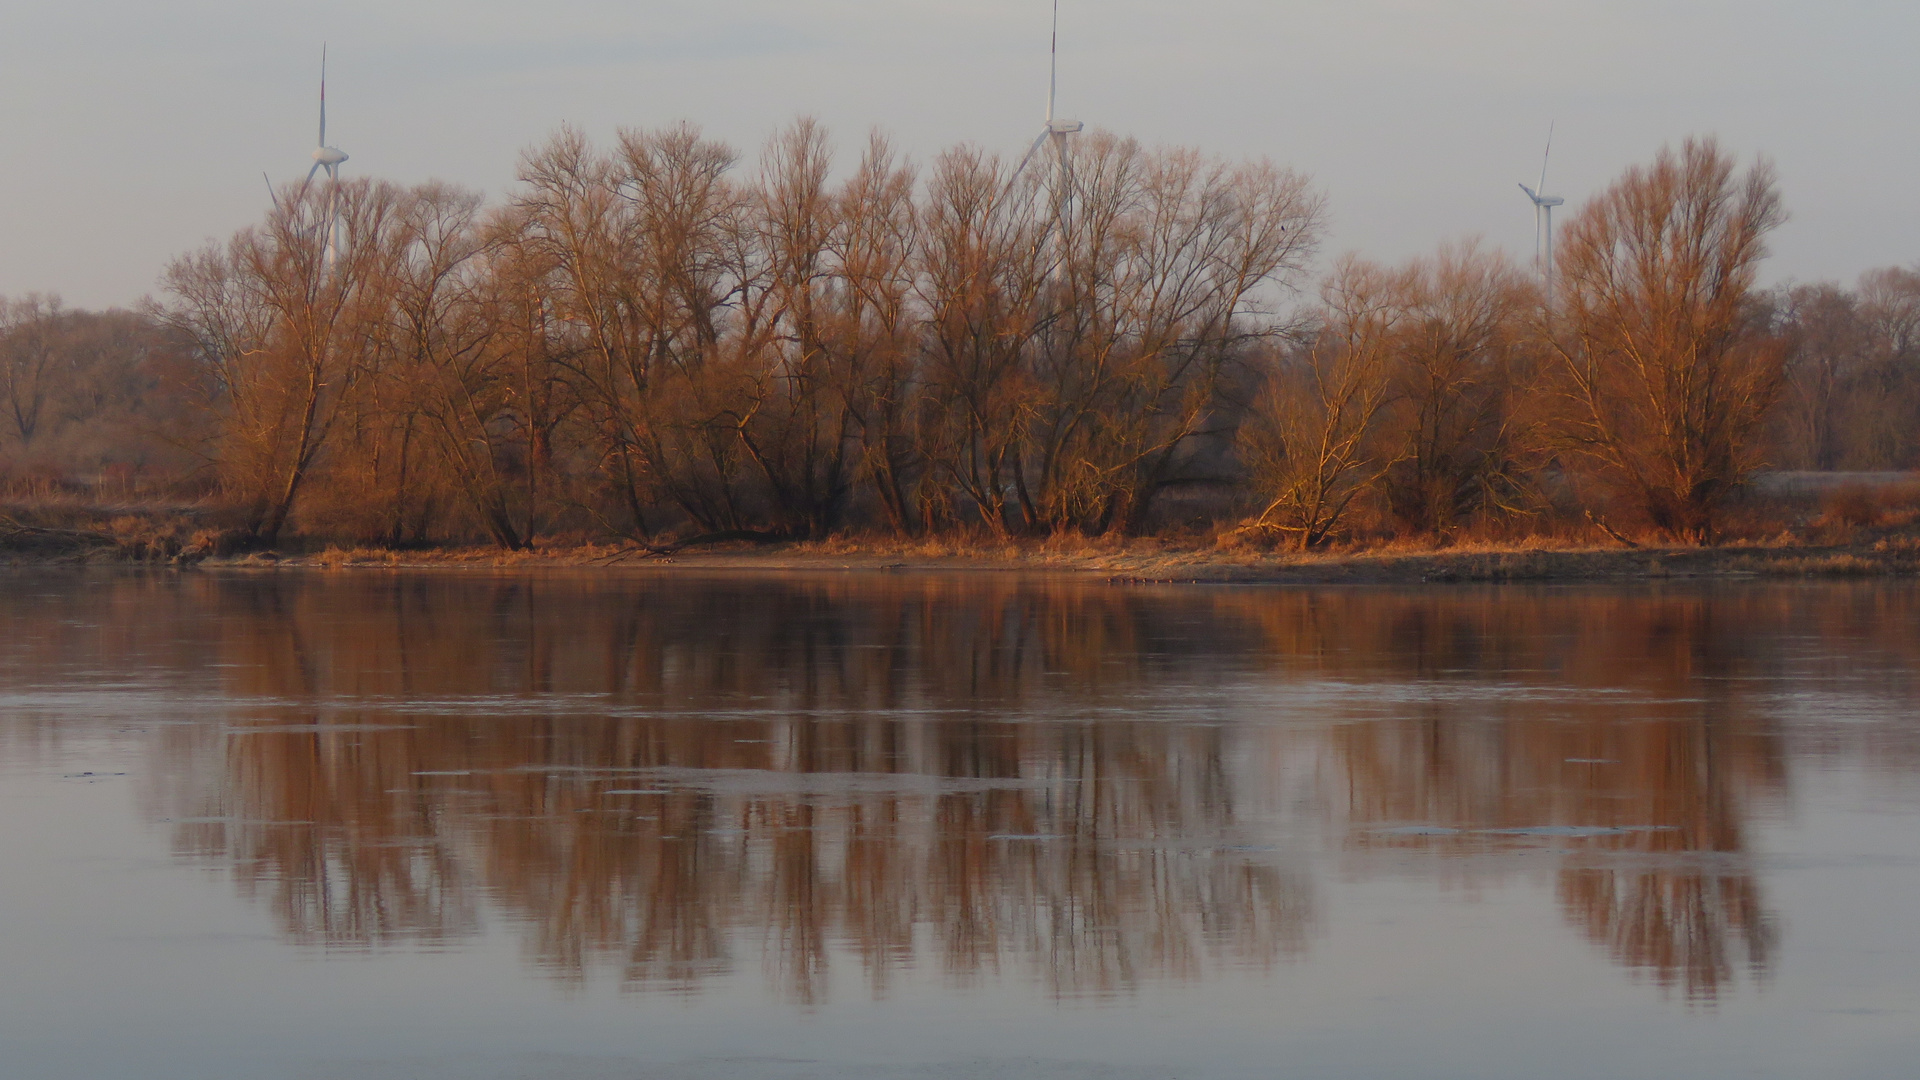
138 132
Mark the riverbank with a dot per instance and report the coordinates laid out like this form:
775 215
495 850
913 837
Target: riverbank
1867 552
1160 561
1168 561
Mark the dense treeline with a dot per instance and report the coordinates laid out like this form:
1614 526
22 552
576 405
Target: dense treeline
644 337
649 339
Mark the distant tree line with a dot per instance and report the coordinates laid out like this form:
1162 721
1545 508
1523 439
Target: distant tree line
648 340
87 396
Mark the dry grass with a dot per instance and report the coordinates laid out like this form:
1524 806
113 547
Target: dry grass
63 530
1835 565
336 558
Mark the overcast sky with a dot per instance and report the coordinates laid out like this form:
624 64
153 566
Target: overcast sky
134 131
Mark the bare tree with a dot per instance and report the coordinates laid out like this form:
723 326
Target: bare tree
440 388
980 273
1826 345
29 357
1219 245
1167 268
283 328
1885 425
1453 419
796 425
1666 373
875 327
521 390
1308 443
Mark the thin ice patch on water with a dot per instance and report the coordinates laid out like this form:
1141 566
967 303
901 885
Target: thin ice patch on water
1579 830
1193 846
268 727
234 821
1575 831
778 782
592 707
1709 863
321 727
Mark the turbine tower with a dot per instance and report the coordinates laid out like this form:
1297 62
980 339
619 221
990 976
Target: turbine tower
1543 205
328 158
1055 131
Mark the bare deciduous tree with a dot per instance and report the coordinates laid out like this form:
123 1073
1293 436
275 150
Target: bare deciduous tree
1826 344
283 327
1171 264
1308 443
1454 379
28 360
1665 371
981 271
875 327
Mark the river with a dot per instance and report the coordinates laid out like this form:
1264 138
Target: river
648 824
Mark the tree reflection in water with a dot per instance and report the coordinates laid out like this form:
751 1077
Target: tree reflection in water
660 774
679 775
1639 752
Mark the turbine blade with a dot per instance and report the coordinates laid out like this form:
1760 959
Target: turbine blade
270 192
323 93
1053 62
1544 158
1531 194
1031 150
303 184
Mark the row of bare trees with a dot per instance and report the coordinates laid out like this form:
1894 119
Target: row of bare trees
1852 399
1451 389
649 338
642 336
83 391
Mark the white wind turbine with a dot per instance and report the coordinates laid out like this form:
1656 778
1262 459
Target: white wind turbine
1543 205
328 158
1055 131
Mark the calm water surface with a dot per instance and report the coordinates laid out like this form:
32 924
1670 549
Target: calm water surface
659 825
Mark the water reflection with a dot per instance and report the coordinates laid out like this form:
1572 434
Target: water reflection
1641 755
678 778
675 778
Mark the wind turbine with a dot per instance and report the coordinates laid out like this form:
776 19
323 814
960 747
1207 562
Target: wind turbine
1055 131
328 158
1543 216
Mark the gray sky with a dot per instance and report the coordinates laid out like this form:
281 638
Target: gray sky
135 131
